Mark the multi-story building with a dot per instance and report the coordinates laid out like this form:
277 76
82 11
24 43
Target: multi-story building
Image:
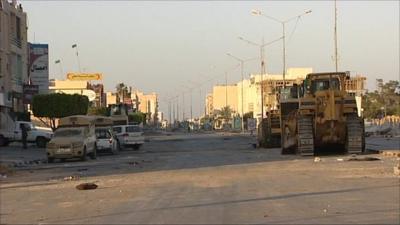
148 103
80 87
252 92
111 98
13 56
100 100
225 95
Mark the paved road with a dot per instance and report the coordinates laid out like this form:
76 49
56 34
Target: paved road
207 178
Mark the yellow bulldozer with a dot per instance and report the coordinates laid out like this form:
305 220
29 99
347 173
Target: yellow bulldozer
320 113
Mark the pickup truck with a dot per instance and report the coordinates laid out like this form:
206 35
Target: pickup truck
38 135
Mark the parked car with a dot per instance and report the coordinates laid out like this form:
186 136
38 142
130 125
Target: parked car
74 138
13 133
106 140
129 136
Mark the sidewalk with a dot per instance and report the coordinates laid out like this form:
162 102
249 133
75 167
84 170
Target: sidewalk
383 144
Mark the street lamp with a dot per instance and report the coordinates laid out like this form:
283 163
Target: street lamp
242 61
58 61
77 56
262 57
256 12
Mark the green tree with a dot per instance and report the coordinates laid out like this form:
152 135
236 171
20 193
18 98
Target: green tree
226 112
384 101
55 106
137 117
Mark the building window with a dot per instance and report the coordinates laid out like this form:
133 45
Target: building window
18 27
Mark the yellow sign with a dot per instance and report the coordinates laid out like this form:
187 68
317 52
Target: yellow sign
84 76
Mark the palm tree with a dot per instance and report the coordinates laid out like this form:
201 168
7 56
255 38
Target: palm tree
226 112
122 91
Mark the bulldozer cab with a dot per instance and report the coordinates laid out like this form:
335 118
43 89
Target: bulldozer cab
322 82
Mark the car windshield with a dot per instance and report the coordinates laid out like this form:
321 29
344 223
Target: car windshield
103 134
131 129
68 132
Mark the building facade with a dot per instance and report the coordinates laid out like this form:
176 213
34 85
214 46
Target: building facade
72 87
13 56
148 104
225 95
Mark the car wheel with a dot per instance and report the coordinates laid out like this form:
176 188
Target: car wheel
41 142
50 159
83 157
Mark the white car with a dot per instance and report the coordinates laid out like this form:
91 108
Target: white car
38 135
129 135
106 140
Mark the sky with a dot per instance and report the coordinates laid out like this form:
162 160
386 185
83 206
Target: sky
170 47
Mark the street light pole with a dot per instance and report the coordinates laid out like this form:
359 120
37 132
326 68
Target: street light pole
58 61
263 70
242 61
283 23
77 56
226 90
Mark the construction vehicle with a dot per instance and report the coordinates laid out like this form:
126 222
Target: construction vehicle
320 113
269 129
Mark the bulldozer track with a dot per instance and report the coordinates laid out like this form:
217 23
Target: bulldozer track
355 132
305 140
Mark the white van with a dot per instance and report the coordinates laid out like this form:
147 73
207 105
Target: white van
129 135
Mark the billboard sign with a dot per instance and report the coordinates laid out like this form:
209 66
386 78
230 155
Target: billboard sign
84 76
39 66
29 91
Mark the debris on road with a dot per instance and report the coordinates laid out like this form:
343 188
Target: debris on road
317 159
86 186
82 169
368 158
71 178
340 160
134 163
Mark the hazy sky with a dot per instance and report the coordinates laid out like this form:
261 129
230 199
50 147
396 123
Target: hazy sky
160 46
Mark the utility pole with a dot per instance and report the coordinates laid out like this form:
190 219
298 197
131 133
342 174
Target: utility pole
183 106
226 90
262 78
336 44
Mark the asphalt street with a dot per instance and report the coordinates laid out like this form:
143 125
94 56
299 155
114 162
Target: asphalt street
202 179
